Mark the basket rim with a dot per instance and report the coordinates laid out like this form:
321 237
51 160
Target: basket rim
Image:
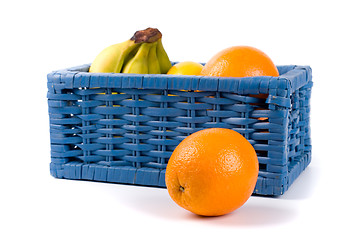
291 78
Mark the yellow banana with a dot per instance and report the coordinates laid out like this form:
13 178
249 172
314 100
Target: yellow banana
143 54
164 61
112 58
154 65
139 63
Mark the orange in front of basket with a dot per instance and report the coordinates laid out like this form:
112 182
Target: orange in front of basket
212 172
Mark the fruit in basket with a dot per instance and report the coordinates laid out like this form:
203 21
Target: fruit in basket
153 61
186 68
240 61
140 62
111 59
164 61
212 172
143 53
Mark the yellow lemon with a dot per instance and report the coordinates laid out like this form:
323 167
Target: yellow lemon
186 68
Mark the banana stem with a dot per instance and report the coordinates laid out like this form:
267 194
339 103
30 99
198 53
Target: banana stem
148 35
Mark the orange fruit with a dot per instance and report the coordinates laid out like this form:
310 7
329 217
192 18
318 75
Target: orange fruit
186 68
212 172
240 61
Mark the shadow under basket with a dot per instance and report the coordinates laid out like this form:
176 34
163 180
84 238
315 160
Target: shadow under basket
122 128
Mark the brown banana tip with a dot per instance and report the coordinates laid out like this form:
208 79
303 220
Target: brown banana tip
148 35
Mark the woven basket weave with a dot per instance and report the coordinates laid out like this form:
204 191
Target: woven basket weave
123 128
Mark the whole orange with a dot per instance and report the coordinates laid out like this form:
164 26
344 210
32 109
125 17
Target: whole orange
212 172
240 61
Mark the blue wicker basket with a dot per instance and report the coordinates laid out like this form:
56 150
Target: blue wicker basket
122 128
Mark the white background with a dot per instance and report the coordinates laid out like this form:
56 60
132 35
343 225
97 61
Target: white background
40 36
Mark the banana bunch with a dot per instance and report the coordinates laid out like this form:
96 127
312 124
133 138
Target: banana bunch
142 54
